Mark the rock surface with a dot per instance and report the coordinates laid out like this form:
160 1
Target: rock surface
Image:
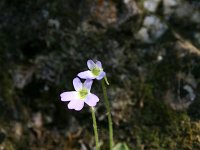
150 51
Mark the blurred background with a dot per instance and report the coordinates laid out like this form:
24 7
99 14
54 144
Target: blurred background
150 50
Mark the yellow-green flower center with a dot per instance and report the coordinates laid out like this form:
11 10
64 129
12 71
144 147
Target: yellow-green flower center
83 93
96 71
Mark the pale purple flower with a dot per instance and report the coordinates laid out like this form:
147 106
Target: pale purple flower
80 96
95 71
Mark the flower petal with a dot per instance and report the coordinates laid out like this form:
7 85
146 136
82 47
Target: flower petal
88 84
68 96
77 84
102 74
91 99
76 104
90 64
86 75
98 63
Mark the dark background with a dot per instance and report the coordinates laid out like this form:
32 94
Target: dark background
149 50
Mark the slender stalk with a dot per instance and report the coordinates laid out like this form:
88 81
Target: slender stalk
95 128
108 112
106 80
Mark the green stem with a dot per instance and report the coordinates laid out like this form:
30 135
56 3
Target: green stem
95 128
106 80
108 113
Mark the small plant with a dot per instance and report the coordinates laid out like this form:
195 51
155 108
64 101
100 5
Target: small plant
83 95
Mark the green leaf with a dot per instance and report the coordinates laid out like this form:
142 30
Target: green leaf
121 146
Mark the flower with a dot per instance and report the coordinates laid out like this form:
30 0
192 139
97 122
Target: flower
95 72
80 96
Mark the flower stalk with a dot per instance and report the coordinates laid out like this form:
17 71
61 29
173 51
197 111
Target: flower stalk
95 128
108 111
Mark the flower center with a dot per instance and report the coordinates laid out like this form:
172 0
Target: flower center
96 71
83 93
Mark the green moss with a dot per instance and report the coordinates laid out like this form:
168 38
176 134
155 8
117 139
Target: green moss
172 131
8 145
158 127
